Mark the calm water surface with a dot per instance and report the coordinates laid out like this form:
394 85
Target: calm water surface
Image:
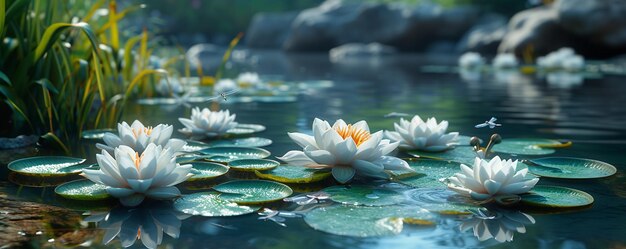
593 115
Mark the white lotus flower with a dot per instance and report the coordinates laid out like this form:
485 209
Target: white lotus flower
146 223
132 177
499 225
346 149
207 123
137 137
225 85
248 78
420 135
562 59
505 61
471 60
488 179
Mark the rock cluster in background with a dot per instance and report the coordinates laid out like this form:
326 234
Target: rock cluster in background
593 28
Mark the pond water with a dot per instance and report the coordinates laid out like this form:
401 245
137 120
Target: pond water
591 114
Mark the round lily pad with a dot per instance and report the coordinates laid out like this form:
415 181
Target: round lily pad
461 154
84 190
526 146
253 191
364 195
242 142
360 221
556 197
193 146
96 134
239 131
188 158
430 173
210 204
570 168
206 170
253 164
48 165
294 174
254 127
227 154
442 201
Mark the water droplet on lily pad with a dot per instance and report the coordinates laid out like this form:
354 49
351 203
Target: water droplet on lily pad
570 168
360 221
206 170
241 142
193 146
254 127
48 166
84 190
232 153
253 191
364 195
294 174
253 164
556 197
210 204
429 173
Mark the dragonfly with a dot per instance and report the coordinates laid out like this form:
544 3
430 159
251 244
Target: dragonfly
277 217
308 198
223 95
491 123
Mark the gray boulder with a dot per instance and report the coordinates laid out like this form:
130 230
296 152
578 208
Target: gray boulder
269 30
337 22
360 52
485 36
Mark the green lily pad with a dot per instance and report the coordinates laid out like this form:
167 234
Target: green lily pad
227 154
206 170
570 168
239 131
210 204
364 195
360 221
193 146
242 142
249 192
430 172
48 166
254 127
461 154
253 164
96 134
556 197
441 201
188 158
294 174
84 190
526 146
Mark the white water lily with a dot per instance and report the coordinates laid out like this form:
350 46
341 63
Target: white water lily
225 85
132 177
419 135
248 78
471 60
499 225
137 136
505 61
207 123
493 178
346 149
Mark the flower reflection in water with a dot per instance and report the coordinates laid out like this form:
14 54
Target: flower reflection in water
146 223
497 224
564 80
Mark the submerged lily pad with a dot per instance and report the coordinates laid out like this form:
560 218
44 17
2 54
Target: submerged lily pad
253 191
461 154
206 170
570 168
210 204
96 134
557 197
227 154
242 142
48 165
430 173
364 195
253 164
84 190
294 174
359 221
526 146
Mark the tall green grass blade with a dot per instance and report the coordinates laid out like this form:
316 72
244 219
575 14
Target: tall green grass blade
4 77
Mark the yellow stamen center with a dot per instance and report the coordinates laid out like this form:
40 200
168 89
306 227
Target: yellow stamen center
146 130
358 135
137 160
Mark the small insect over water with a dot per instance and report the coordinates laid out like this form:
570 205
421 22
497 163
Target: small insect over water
223 95
491 123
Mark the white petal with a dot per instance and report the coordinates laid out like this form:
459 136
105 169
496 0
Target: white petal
297 158
132 200
343 174
393 163
320 156
303 140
